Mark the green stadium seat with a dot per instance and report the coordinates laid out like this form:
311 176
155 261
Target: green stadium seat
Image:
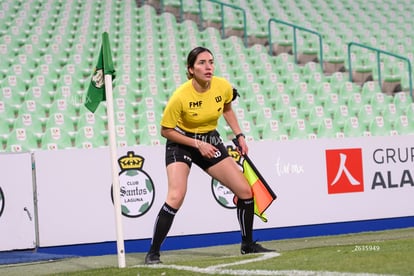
323 90
126 136
334 54
122 104
99 123
409 111
150 135
353 128
241 113
281 88
233 19
12 96
380 101
313 70
341 115
298 91
355 102
21 140
337 79
370 88
225 131
38 110
404 125
316 116
151 116
308 102
88 136
190 9
380 127
249 129
63 121
367 114
348 89
280 103
405 80
332 103
402 100
274 130
4 134
315 80
68 86
69 108
328 129
56 138
292 80
392 113
363 62
27 61
290 116
8 114
262 116
20 72
301 129
40 96
122 117
29 122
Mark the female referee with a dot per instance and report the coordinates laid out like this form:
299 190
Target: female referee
189 124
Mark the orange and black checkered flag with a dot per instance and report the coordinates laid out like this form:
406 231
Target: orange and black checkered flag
262 193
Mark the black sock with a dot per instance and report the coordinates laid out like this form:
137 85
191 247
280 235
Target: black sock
245 214
162 226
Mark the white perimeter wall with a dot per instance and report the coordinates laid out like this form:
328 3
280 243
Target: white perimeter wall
74 189
17 212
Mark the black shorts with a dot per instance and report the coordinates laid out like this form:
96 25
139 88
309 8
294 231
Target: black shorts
180 153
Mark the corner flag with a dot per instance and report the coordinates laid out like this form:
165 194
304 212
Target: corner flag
105 66
263 195
99 90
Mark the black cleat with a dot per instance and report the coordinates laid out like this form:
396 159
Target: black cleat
253 247
152 258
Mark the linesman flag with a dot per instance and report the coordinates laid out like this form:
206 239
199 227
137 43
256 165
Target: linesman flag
105 66
263 195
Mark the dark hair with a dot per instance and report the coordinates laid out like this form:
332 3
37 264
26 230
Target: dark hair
192 56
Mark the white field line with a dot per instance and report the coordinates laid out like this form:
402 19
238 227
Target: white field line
263 257
218 269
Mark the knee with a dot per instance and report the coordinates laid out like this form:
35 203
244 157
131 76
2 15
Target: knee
175 200
246 192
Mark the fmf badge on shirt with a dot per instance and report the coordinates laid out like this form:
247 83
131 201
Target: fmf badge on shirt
136 186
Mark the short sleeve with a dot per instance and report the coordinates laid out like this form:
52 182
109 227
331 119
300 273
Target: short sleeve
228 92
172 112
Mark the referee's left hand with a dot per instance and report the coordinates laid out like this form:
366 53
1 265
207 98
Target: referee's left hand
243 149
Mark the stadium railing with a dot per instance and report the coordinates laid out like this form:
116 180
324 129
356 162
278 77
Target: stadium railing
378 59
222 6
294 29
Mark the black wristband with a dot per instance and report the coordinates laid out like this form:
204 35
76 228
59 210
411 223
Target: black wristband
240 135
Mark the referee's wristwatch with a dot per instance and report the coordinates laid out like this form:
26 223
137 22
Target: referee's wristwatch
240 135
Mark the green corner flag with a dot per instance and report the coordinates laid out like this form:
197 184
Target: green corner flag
105 66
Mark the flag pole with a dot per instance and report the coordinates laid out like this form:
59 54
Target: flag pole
115 176
99 90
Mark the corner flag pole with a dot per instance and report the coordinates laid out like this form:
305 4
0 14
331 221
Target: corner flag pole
115 177
100 89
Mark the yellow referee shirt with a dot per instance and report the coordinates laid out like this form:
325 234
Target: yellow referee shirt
197 112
